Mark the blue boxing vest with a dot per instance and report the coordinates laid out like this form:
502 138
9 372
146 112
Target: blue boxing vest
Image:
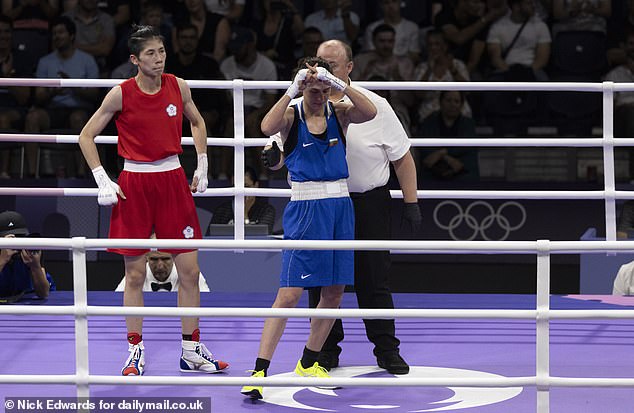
315 159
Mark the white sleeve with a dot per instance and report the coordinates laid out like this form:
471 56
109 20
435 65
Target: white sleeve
543 34
494 34
397 142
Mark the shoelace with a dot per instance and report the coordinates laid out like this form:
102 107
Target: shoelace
136 354
321 371
255 372
203 352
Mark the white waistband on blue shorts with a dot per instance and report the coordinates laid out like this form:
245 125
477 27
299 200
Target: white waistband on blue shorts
162 165
305 191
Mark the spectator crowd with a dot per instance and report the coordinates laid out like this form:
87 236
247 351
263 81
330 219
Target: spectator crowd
392 40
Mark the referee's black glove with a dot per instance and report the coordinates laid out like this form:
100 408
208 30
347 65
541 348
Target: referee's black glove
271 156
413 217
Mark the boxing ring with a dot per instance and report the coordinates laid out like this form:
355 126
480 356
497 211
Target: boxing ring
464 350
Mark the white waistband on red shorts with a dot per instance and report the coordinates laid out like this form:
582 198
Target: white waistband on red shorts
305 191
162 165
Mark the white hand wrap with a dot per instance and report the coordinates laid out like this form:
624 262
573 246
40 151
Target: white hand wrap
293 90
325 76
108 190
201 173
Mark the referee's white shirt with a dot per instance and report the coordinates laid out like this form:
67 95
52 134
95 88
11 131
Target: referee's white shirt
371 145
624 281
173 278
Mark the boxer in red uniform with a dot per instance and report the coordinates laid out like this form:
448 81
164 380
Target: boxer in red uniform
152 193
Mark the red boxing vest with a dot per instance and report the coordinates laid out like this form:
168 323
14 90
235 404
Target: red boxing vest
150 126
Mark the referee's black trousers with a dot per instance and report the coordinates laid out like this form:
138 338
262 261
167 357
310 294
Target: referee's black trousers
371 272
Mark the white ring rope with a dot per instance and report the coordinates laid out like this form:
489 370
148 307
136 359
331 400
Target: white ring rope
542 248
256 84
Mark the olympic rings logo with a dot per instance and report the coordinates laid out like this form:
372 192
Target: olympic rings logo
480 223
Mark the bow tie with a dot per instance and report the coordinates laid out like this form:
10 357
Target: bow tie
166 286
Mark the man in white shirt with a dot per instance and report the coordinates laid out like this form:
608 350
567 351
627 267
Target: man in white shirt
520 38
247 63
407 32
335 20
371 147
161 274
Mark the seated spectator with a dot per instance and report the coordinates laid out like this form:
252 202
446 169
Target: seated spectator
335 20
13 99
581 15
381 63
62 108
95 31
161 275
231 9
277 31
452 163
381 60
257 210
189 63
311 39
32 14
465 26
125 70
440 66
31 26
21 271
151 14
519 40
249 64
406 40
214 29
119 10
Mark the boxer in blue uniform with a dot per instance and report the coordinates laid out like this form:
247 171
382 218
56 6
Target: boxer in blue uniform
312 135
320 206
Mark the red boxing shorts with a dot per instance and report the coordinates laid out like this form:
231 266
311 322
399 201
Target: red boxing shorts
159 201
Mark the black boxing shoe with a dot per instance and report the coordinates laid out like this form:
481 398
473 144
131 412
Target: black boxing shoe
393 363
328 360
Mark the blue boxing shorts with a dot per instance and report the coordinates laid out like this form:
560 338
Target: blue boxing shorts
318 219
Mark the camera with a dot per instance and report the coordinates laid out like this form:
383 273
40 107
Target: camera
31 235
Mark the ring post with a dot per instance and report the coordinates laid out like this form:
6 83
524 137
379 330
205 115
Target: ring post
543 327
80 292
